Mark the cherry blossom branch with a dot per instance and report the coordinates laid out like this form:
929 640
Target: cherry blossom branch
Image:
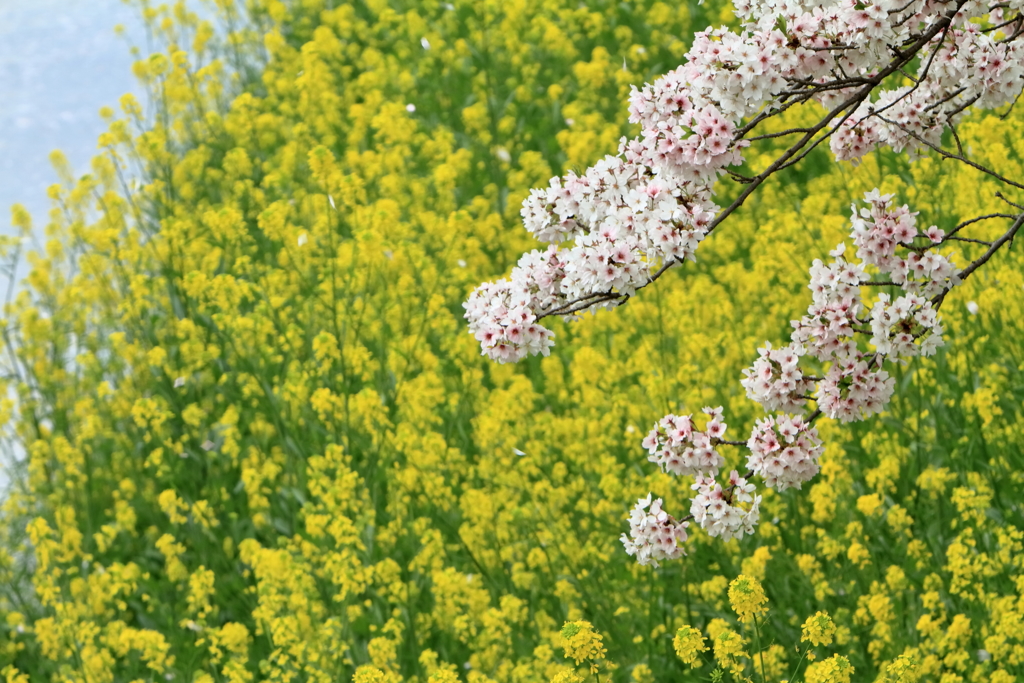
780 162
586 302
633 216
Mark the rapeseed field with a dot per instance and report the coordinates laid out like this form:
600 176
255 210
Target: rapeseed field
262 446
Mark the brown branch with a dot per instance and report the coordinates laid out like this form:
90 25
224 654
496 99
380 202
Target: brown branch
964 224
769 136
970 239
956 137
945 99
1016 206
586 302
1003 117
983 259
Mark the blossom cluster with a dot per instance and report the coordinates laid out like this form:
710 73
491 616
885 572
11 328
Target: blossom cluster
503 314
625 221
717 510
653 534
677 448
784 451
852 390
855 385
648 208
897 326
964 66
775 380
881 228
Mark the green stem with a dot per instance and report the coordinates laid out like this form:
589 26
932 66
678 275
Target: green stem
792 677
760 653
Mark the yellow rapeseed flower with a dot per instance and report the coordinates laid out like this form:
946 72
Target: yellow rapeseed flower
904 669
369 674
581 642
747 598
835 669
443 676
641 674
818 629
870 504
567 674
729 646
689 643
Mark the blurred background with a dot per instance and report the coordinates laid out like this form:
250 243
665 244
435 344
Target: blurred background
60 61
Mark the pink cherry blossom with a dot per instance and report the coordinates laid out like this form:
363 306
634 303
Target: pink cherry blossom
677 448
784 451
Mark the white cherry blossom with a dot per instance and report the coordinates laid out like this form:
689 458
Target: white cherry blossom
654 536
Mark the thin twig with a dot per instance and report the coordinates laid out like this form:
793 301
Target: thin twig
956 157
970 239
1017 206
964 224
781 133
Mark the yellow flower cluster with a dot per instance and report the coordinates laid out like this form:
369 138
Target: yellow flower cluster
818 630
688 643
732 653
747 598
835 669
582 643
567 675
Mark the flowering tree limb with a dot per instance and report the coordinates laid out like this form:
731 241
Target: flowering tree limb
889 75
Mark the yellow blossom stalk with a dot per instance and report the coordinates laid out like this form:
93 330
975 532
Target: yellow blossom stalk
582 643
747 598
